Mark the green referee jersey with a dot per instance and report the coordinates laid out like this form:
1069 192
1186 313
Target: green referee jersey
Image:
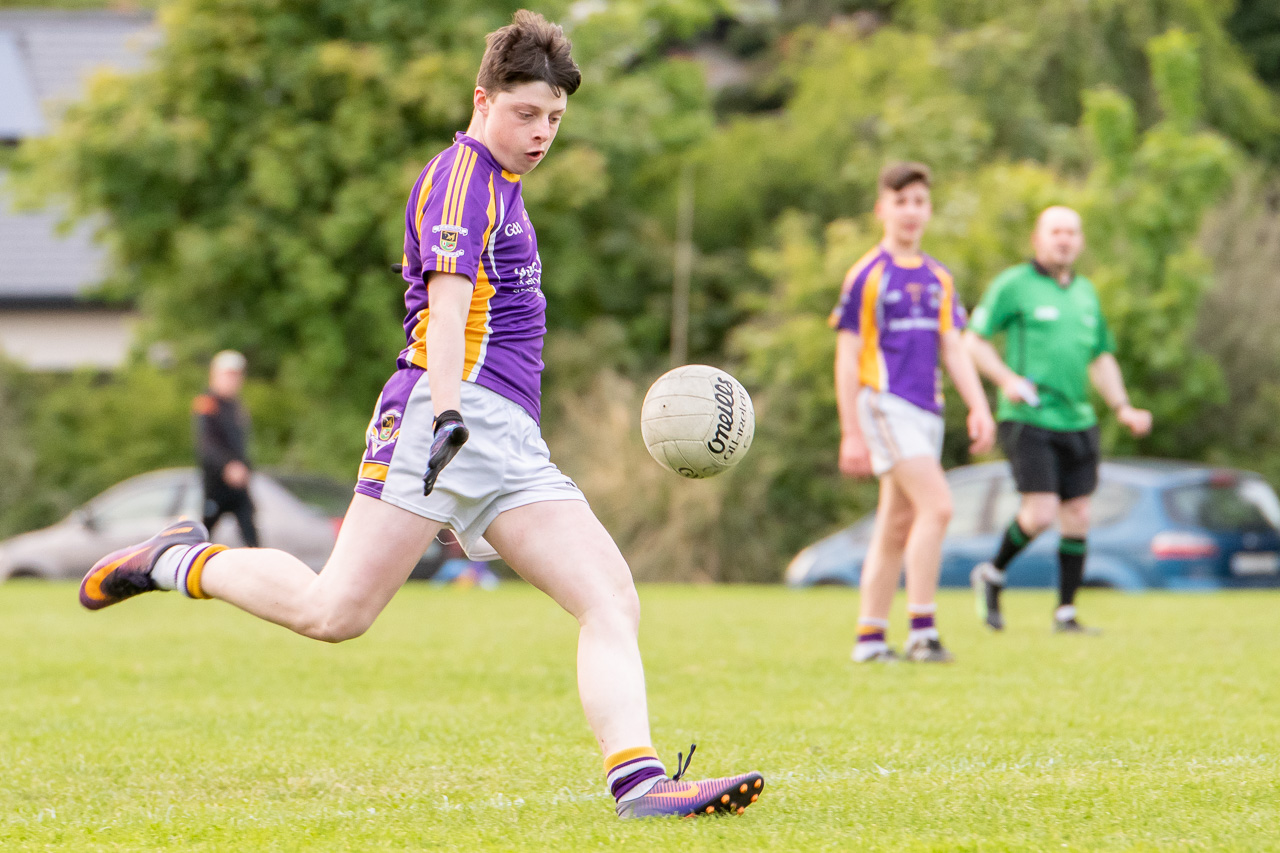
1052 334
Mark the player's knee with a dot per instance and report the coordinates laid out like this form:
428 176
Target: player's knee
617 605
338 630
335 625
936 514
897 526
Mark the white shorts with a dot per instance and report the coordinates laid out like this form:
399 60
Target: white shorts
504 464
895 429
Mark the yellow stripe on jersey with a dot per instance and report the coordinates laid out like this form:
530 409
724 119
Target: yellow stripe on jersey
456 173
847 285
871 371
422 198
477 334
461 203
948 299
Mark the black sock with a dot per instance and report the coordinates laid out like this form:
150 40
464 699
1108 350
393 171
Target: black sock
1015 539
1070 569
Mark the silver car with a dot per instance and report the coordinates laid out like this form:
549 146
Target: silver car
303 521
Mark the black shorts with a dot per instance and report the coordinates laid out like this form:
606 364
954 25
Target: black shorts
1046 460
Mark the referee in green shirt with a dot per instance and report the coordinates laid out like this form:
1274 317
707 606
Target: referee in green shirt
1056 342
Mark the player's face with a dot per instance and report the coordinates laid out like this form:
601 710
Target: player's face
519 125
905 212
1059 239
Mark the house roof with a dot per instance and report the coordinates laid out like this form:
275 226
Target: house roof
42 265
46 58
61 49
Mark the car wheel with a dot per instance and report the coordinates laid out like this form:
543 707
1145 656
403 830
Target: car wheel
24 572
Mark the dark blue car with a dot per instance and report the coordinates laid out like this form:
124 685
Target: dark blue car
1156 525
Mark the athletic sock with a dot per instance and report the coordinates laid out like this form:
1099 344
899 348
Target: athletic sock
922 625
180 567
871 638
631 773
1070 569
1015 539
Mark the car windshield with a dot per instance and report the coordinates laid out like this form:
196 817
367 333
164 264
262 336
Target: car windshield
1244 504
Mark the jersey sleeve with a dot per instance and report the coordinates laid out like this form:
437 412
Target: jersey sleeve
848 311
1106 340
951 313
456 219
996 310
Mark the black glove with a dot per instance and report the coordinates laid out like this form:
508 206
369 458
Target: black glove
450 434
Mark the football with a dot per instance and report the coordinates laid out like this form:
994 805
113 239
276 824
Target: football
697 421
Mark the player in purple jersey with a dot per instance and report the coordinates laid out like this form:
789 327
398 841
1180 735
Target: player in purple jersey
897 317
476 319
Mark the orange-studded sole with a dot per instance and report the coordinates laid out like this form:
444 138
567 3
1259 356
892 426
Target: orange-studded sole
734 800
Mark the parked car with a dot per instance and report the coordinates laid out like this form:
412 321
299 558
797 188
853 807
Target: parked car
1156 525
297 513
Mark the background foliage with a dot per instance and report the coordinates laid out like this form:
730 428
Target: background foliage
254 180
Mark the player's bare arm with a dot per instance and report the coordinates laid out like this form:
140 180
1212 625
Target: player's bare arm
960 367
855 460
1105 374
450 296
987 359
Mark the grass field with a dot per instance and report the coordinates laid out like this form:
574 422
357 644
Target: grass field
454 724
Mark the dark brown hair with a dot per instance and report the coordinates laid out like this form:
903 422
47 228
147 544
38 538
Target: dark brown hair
897 176
527 50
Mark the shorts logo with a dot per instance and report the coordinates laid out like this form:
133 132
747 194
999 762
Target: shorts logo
388 426
383 430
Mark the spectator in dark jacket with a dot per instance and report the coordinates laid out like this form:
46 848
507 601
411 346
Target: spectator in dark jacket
222 438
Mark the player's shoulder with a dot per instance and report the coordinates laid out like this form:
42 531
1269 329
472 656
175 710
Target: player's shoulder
205 404
863 265
939 269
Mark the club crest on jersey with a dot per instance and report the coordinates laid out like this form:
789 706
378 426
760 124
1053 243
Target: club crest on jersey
447 237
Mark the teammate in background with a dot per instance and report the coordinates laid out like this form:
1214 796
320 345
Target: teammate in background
898 315
1056 341
466 395
222 438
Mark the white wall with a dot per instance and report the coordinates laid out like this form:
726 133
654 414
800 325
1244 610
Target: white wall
64 340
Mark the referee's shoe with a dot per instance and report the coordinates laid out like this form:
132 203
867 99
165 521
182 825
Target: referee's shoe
987 584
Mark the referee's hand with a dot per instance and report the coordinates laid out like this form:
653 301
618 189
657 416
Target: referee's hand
1137 421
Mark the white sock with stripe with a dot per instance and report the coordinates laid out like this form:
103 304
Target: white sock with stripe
174 568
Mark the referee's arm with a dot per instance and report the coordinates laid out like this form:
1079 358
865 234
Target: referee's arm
1104 372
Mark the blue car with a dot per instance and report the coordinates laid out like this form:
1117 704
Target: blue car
1156 525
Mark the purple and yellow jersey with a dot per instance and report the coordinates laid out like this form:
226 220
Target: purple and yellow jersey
900 310
466 216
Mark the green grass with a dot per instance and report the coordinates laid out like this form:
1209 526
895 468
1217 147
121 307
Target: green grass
454 724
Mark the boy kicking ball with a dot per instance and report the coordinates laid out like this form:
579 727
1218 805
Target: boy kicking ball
455 442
